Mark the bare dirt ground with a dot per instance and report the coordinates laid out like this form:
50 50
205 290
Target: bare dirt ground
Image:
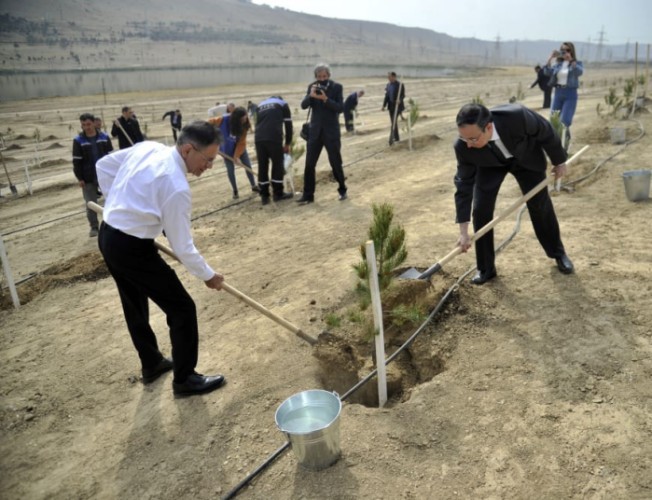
536 385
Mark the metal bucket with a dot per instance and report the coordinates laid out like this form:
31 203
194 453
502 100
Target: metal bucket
637 184
618 135
311 421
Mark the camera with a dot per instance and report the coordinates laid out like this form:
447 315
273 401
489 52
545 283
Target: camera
319 89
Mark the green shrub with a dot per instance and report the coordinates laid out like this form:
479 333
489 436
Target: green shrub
389 245
333 320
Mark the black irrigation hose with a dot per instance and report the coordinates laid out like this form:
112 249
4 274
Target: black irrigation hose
408 342
44 223
373 373
609 158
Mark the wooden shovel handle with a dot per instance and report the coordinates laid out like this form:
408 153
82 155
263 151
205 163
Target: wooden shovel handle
523 199
119 125
232 290
236 162
490 225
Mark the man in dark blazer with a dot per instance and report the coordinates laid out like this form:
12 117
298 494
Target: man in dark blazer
324 98
350 105
543 81
394 95
127 129
508 139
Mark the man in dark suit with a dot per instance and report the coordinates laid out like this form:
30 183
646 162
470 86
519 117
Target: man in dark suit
394 95
350 105
508 139
543 81
324 98
127 129
175 121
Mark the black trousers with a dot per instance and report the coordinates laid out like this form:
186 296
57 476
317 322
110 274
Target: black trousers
314 147
542 213
394 132
267 151
547 97
349 122
140 273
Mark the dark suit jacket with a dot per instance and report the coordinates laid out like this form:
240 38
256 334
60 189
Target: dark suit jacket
543 81
527 135
351 102
324 117
132 128
394 91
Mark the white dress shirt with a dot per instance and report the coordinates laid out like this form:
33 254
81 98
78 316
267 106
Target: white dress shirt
499 143
562 74
146 193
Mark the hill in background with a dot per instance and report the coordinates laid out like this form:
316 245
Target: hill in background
123 34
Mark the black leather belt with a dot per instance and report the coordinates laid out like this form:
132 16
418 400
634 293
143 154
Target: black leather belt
561 86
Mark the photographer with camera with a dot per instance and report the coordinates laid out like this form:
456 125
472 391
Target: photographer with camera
564 71
324 98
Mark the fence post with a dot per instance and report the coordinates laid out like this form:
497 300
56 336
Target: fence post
7 270
378 323
29 179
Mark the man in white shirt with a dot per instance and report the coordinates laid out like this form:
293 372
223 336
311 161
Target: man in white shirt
220 109
147 193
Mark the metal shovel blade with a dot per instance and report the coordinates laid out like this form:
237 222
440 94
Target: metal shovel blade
414 274
410 274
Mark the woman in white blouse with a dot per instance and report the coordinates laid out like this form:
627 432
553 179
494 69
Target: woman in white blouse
564 71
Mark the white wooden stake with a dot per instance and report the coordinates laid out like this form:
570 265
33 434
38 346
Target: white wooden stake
378 323
635 81
29 179
9 276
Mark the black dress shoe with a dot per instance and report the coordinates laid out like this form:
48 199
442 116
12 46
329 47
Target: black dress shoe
482 277
151 374
264 200
343 196
197 384
305 200
564 264
283 196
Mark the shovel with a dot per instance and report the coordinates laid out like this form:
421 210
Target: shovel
236 293
396 106
237 162
413 273
14 191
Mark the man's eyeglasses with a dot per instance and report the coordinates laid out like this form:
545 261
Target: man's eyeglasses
472 140
209 161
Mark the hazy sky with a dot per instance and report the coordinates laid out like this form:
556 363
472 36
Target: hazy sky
572 20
